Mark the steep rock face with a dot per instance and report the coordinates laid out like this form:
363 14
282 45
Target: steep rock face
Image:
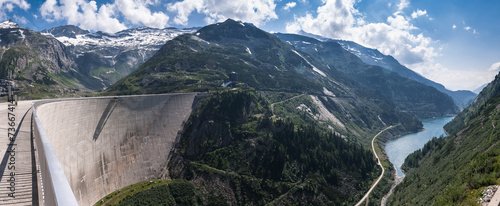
455 170
38 63
408 95
34 45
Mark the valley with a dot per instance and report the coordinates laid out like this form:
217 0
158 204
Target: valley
399 148
463 164
304 120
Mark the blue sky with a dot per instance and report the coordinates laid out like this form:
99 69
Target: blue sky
453 42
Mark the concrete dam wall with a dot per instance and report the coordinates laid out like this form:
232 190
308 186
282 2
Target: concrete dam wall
104 144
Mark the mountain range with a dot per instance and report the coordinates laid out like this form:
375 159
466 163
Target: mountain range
202 61
110 57
408 95
239 135
288 87
462 98
66 60
40 65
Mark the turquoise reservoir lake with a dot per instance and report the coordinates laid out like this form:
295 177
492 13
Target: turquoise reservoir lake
399 148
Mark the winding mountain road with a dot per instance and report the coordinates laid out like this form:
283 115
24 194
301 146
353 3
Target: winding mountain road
272 105
379 163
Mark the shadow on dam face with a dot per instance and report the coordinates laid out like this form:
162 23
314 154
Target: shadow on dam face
104 144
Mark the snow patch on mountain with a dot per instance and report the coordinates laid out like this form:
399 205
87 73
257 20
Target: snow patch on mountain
328 92
141 38
350 49
199 39
22 33
367 55
313 67
9 25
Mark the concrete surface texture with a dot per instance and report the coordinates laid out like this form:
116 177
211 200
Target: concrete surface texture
104 144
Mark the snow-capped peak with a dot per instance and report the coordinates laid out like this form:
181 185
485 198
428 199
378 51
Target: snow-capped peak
9 25
142 37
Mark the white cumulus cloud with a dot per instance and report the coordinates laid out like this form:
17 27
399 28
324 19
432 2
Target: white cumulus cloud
289 5
254 11
7 6
403 4
88 15
418 13
395 36
184 10
334 19
138 13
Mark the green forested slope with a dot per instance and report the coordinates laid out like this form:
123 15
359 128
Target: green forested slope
233 149
462 119
453 170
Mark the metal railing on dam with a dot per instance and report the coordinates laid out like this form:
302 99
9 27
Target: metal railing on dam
90 147
56 189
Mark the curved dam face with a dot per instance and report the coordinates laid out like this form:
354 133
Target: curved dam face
104 144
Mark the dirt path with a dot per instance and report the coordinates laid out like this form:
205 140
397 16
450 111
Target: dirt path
379 163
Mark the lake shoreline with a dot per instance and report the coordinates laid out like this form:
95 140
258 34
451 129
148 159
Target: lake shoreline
397 149
432 127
